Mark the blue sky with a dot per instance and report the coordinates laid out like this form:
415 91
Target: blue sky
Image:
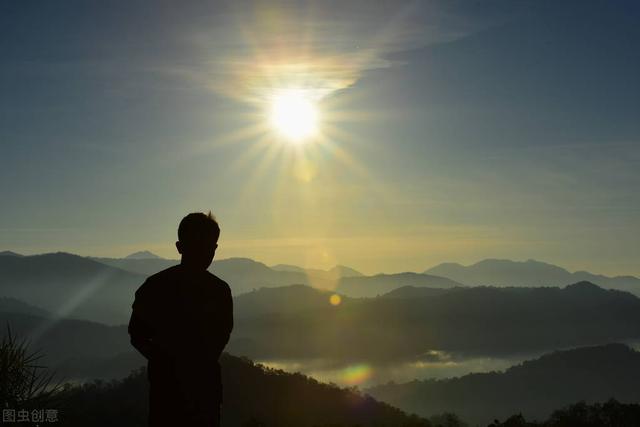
453 131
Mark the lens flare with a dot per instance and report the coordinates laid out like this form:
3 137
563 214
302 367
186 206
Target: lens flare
335 299
357 374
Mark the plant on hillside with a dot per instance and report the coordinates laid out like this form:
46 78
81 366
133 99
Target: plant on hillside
24 383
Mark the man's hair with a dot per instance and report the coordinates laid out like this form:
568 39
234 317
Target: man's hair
197 224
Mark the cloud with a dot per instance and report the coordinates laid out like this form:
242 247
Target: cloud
323 48
239 49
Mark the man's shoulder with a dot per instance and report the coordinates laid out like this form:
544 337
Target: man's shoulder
216 281
166 274
159 279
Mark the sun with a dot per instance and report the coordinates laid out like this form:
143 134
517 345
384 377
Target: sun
294 115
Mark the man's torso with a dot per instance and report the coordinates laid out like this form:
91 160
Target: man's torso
185 309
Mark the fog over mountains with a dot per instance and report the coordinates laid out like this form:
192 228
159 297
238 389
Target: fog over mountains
534 388
78 349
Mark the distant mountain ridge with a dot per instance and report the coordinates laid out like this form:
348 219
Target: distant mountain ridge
10 253
74 347
142 255
416 292
142 266
101 289
13 305
246 275
285 300
410 322
70 286
380 284
502 272
338 270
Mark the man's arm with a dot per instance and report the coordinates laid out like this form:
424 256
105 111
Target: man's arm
140 334
226 324
140 331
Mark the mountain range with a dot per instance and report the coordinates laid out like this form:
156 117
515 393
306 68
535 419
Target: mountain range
501 272
534 388
337 271
142 255
408 323
377 320
245 275
488 272
75 349
10 253
101 289
70 286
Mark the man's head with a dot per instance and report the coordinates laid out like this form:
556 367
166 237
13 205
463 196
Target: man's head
198 235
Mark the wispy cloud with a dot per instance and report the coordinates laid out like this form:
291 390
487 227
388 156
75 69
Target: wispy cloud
322 49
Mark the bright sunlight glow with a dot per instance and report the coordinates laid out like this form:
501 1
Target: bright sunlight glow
294 115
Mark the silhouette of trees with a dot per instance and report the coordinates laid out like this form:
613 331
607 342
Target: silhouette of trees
609 414
447 419
107 403
254 396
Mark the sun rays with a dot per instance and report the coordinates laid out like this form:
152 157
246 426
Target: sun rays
296 159
295 143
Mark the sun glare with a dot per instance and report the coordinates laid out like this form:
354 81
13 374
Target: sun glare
294 115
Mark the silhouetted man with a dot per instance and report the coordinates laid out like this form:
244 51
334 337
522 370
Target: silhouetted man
181 321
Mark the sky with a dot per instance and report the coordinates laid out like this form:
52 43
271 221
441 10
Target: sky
449 131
